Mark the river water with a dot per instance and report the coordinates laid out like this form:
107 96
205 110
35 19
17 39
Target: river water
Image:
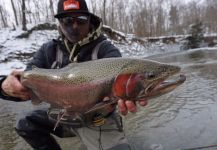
183 119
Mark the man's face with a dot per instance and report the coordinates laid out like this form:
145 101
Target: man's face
75 27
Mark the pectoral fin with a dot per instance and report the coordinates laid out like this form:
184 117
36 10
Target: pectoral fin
34 99
101 106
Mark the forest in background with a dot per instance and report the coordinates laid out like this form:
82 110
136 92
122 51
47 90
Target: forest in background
144 18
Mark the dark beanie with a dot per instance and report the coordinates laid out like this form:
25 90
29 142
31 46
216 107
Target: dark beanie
67 7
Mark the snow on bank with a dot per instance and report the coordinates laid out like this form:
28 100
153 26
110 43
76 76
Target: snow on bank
12 48
14 52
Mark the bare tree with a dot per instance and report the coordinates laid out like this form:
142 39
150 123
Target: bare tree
29 12
93 4
140 20
37 13
46 9
160 19
210 14
15 12
52 10
121 15
173 18
3 19
104 12
142 17
112 16
150 19
24 16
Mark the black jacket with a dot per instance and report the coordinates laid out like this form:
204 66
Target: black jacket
46 55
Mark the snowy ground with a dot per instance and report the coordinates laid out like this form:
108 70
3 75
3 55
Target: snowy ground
14 52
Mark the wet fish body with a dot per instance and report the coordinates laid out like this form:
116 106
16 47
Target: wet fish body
79 86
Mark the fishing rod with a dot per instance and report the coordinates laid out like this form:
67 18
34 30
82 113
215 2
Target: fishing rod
202 147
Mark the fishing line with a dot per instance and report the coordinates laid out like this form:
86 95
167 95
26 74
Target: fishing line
100 138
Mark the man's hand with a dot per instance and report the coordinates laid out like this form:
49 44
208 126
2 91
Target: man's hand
125 106
11 86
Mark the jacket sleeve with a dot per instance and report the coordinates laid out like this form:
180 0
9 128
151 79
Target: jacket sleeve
107 50
39 59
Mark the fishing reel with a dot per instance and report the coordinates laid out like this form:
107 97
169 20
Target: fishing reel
98 120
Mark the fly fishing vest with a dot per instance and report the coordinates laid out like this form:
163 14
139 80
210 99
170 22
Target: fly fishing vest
59 55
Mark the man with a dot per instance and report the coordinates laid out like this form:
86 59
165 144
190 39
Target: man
81 40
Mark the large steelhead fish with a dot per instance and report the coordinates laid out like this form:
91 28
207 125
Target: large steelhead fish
78 87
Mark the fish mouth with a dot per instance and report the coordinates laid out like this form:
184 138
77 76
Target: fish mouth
161 86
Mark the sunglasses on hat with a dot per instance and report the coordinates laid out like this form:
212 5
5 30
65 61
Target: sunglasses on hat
81 20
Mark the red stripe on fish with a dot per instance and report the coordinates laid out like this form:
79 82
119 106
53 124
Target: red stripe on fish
127 85
119 85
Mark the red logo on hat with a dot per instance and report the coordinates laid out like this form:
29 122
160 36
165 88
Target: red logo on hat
71 4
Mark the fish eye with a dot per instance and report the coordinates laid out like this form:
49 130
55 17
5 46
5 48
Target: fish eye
151 75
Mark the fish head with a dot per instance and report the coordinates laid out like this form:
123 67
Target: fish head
145 80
